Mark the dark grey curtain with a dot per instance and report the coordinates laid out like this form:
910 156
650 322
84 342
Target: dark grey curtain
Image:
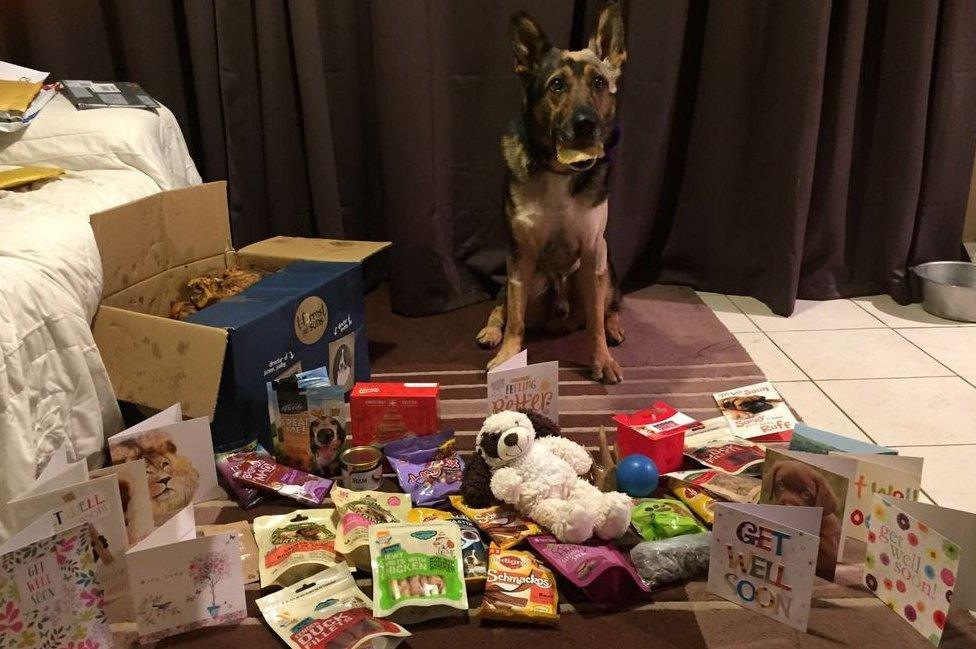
809 148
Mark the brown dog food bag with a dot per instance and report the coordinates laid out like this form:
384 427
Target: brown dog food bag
519 588
501 523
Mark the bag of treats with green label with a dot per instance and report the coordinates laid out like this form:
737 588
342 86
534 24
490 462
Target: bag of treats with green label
418 572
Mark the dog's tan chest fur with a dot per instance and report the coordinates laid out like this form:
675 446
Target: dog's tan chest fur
552 223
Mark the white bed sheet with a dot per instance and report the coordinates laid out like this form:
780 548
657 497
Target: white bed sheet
54 390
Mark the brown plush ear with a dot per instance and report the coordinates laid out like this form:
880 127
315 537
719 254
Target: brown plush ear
529 42
476 483
825 495
607 41
543 426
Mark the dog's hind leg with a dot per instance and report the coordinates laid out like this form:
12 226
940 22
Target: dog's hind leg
614 327
494 329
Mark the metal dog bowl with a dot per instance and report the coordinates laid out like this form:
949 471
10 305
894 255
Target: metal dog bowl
948 289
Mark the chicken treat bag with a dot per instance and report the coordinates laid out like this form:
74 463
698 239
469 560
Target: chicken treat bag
328 611
417 566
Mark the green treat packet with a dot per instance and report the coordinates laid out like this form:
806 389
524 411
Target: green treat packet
663 518
418 571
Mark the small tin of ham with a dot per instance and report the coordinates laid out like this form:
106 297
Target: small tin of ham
361 468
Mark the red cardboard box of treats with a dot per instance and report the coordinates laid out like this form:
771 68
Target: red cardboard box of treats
385 412
657 432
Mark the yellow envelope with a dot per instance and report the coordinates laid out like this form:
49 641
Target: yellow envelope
24 175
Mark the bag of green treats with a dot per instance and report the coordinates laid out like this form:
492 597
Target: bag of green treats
663 518
418 572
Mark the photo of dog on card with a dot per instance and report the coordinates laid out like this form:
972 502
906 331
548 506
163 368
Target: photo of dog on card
791 482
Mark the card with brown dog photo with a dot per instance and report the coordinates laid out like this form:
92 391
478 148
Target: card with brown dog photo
809 480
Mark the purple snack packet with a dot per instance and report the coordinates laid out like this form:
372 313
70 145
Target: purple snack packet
304 487
428 468
604 574
247 496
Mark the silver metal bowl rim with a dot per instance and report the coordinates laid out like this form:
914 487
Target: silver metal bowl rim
921 269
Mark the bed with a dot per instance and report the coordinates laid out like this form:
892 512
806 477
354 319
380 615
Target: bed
54 390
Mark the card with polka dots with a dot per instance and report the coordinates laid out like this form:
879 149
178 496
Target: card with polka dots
898 476
763 558
916 563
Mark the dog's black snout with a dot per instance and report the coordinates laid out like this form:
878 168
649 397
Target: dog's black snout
511 439
584 124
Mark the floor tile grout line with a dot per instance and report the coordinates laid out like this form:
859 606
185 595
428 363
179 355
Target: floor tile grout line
916 346
894 378
930 445
868 312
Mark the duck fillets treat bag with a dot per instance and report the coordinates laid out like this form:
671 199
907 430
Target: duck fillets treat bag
519 588
604 574
328 611
294 546
417 566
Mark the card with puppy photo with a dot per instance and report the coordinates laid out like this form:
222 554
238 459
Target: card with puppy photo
180 467
920 561
763 558
134 491
757 412
515 385
811 480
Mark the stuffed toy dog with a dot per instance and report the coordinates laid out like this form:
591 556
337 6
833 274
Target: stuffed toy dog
541 478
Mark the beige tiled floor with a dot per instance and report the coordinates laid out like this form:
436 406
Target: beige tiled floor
872 369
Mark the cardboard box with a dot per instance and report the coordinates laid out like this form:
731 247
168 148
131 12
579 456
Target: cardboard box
310 314
658 433
385 412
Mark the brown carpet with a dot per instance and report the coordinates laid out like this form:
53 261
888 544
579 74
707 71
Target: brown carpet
676 350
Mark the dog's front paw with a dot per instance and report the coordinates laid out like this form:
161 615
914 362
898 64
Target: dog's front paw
489 337
505 353
606 369
615 329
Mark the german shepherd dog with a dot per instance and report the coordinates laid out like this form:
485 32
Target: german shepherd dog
559 273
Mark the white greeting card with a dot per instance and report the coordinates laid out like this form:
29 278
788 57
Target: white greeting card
134 491
515 385
180 583
920 561
96 505
179 459
897 476
763 558
757 412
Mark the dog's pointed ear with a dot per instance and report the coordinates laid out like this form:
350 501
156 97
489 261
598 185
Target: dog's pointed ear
529 42
607 41
476 482
825 496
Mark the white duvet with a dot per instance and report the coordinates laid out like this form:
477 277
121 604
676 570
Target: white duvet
54 390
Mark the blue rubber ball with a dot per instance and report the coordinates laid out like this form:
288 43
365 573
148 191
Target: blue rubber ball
637 475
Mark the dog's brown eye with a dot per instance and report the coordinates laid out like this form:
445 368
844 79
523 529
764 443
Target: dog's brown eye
556 84
599 82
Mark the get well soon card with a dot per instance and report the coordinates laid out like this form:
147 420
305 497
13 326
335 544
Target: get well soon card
921 559
763 558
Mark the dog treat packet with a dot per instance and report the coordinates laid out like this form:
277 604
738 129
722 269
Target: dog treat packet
308 421
671 560
304 487
604 573
519 589
699 501
721 450
294 546
328 611
500 522
356 512
428 468
249 547
474 554
662 518
246 495
417 565
734 488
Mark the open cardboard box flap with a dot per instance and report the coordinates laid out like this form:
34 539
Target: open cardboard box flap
277 251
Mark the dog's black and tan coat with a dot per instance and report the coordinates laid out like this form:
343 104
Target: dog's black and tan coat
559 273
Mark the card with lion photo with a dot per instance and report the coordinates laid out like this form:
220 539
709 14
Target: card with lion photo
179 460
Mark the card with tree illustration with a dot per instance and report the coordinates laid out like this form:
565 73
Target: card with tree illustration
183 586
49 596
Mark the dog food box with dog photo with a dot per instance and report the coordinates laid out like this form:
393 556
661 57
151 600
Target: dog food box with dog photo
386 412
757 412
185 317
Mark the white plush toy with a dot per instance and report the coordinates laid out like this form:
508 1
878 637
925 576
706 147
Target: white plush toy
541 478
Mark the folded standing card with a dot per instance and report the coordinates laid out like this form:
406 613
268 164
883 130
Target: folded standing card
897 476
921 559
180 583
97 506
813 440
179 459
763 558
757 412
515 384
134 491
49 596
811 480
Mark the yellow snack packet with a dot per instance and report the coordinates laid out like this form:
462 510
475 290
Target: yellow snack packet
500 522
700 502
519 588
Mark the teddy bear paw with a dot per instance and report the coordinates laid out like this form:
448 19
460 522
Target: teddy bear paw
576 526
616 519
